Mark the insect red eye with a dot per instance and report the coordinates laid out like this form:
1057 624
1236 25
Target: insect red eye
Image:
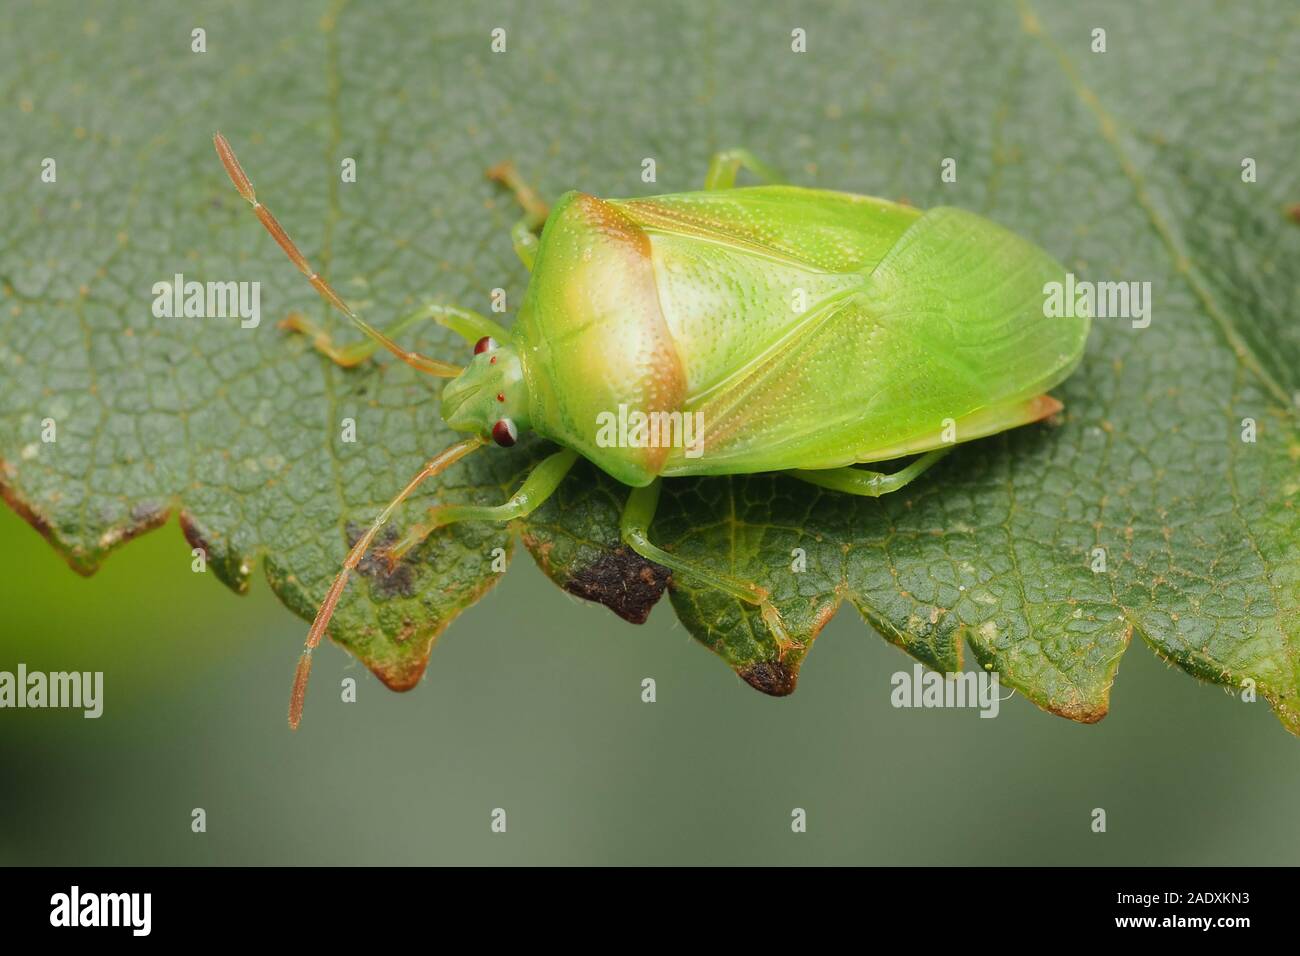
485 344
501 396
504 433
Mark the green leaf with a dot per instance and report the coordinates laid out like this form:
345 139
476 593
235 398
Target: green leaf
1124 164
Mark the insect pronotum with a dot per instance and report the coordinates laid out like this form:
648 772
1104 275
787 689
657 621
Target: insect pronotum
727 331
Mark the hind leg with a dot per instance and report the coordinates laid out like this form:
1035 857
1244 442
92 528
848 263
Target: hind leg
987 421
870 484
637 515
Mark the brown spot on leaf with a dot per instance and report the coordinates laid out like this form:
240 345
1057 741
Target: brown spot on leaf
399 581
623 581
775 678
414 641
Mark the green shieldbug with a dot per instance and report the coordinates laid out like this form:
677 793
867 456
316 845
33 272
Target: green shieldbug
730 331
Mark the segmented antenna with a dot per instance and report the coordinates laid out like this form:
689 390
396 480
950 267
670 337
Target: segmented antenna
436 465
414 359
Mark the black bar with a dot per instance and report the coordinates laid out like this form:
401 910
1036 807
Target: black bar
334 905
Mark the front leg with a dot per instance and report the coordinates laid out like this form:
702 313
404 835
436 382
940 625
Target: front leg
537 487
471 326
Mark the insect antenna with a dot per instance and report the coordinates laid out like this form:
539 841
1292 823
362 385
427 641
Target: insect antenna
414 359
436 465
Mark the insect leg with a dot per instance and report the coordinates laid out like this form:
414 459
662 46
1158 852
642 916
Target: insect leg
525 242
725 164
870 484
434 466
634 525
469 325
537 487
524 232
272 225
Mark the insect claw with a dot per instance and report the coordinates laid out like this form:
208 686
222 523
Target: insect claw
783 648
501 172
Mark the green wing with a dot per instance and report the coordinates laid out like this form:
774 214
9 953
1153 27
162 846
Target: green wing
737 269
948 324
824 230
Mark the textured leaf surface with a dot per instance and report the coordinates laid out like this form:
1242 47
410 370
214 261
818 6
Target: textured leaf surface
1125 165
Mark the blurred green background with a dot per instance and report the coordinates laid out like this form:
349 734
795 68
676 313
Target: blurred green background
532 703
